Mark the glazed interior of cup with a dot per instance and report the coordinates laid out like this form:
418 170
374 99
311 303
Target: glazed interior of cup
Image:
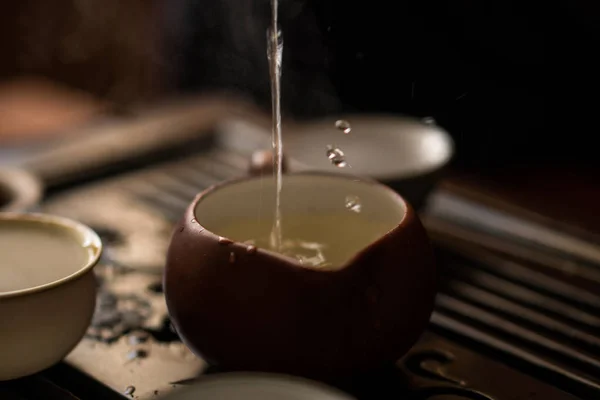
334 214
38 251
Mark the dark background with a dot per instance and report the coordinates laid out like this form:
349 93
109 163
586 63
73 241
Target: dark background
486 70
490 72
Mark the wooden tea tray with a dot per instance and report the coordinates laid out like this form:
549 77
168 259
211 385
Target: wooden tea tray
517 315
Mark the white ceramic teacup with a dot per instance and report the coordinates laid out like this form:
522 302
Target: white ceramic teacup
47 289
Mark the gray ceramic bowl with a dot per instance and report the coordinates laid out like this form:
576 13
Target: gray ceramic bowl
406 154
46 306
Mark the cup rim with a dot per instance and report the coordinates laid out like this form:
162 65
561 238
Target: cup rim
66 224
364 180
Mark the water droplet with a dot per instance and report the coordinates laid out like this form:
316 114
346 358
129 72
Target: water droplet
194 221
251 249
138 353
129 391
333 153
232 257
343 126
353 203
428 121
336 156
223 240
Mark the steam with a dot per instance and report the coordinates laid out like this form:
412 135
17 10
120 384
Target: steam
227 40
